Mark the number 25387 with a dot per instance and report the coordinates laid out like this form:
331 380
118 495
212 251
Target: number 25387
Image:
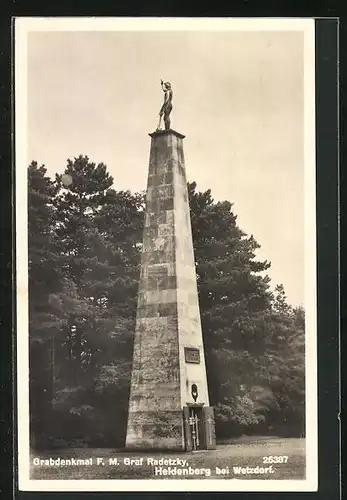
275 459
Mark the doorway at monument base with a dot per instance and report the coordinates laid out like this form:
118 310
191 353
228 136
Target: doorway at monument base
190 429
199 427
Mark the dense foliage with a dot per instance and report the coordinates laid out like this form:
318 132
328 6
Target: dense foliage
84 254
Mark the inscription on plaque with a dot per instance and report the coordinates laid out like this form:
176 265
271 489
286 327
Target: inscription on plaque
192 355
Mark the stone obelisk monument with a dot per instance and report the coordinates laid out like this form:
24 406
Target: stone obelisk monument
169 401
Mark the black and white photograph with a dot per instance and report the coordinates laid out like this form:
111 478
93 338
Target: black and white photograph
166 254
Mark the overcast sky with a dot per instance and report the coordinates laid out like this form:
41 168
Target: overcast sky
238 98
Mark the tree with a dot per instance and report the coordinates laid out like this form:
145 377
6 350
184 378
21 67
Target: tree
99 233
85 240
43 277
45 280
234 302
245 328
287 347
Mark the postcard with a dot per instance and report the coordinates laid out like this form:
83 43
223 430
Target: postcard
166 254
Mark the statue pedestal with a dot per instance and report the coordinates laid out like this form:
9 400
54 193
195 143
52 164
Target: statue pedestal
168 356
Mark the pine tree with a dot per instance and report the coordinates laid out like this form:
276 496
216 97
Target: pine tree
43 277
45 280
99 232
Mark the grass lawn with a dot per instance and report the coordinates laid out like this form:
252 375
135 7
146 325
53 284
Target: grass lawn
243 452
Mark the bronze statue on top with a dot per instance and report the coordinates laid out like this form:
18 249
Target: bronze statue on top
167 106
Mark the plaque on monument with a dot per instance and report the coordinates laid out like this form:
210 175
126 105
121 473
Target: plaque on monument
192 355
